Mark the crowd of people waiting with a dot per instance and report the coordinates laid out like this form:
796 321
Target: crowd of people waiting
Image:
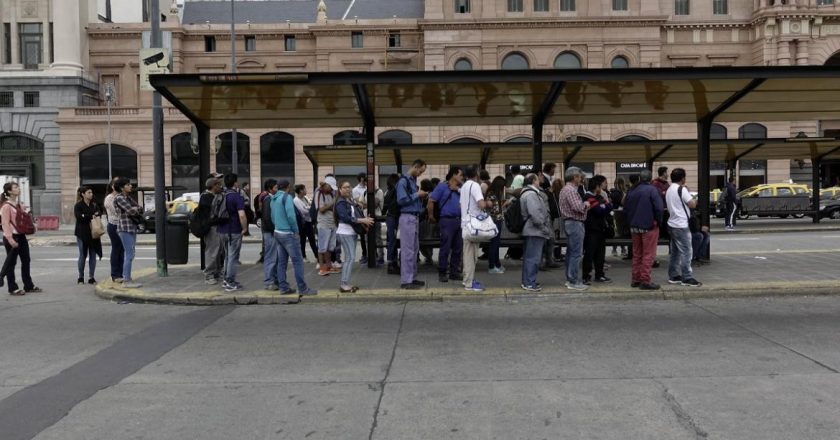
538 206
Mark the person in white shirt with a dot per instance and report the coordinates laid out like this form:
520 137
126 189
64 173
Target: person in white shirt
680 203
472 203
359 195
307 230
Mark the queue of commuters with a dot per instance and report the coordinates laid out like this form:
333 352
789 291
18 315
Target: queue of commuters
574 206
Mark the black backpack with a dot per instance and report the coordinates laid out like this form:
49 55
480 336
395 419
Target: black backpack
219 213
199 221
553 206
391 208
514 219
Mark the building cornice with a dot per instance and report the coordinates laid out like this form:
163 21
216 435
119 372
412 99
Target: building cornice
708 24
541 22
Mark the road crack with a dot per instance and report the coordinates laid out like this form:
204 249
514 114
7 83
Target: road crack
683 417
384 380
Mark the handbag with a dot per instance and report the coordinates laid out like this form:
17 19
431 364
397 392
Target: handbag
358 227
96 228
481 227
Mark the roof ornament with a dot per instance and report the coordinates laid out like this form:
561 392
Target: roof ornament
322 12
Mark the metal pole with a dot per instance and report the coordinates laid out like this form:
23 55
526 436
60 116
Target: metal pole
234 146
108 97
537 132
157 135
815 188
373 251
704 161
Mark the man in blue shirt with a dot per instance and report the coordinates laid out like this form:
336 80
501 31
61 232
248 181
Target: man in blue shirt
232 230
446 198
286 230
408 198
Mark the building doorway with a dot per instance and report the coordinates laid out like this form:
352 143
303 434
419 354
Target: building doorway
93 167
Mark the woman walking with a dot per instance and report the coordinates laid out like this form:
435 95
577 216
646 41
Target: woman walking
349 214
129 214
86 211
496 194
117 251
15 242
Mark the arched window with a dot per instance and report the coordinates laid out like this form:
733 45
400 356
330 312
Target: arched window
224 158
619 62
519 140
348 137
752 131
466 140
395 137
515 61
93 166
719 132
184 165
277 156
463 64
632 138
22 155
567 60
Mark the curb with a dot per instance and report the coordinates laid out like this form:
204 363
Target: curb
112 292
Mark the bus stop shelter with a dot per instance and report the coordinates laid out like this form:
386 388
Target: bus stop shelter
701 96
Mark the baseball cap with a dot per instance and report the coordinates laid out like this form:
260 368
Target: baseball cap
330 180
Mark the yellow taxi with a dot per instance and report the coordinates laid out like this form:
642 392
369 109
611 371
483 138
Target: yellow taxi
830 193
775 190
181 206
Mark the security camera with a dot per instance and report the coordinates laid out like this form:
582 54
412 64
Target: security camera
153 59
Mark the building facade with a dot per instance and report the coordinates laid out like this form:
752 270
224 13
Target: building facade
382 35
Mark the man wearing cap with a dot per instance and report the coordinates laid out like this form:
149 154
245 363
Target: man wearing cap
325 204
286 230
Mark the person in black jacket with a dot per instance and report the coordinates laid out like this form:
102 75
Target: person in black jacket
86 209
213 262
270 255
731 197
594 242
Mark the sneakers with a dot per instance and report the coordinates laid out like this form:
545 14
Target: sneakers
272 287
496 270
602 279
411 286
363 261
443 277
309 291
730 228
211 281
576 286
335 269
323 272
231 286
288 292
131 285
675 280
635 284
336 265
691 282
649 286
475 287
531 288
419 283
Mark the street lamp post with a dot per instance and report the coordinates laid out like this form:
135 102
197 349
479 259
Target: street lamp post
234 159
109 99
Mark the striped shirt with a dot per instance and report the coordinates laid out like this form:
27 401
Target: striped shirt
571 205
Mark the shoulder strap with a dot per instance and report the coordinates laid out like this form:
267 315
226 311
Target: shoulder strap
685 208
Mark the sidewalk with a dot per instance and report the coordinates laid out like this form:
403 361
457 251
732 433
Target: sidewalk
809 273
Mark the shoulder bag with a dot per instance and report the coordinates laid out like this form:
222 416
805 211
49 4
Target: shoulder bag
481 227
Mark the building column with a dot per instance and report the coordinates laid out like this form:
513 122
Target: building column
15 34
68 45
802 53
783 56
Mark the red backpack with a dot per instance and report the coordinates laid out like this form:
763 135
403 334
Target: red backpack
23 221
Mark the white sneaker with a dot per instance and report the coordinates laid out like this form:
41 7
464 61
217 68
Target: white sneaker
578 286
336 265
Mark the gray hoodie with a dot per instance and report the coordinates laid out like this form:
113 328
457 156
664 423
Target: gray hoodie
535 209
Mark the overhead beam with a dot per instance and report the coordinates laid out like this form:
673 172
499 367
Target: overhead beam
749 150
732 100
365 109
548 103
824 155
658 154
571 156
485 156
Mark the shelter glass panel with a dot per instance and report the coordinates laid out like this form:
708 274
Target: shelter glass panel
184 165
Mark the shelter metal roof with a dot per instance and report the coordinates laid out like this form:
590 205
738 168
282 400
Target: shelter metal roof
493 97
563 152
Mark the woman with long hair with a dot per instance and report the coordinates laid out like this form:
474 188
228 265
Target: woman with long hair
349 213
117 251
617 195
15 242
496 195
129 214
85 211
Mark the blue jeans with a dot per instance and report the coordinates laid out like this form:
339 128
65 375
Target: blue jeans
391 238
269 259
575 233
700 244
493 260
451 245
232 244
288 247
409 246
117 252
128 240
680 265
348 248
531 260
86 253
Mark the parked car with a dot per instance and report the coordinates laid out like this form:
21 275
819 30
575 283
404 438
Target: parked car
773 199
176 207
830 193
830 208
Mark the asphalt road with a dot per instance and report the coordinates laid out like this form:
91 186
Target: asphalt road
76 367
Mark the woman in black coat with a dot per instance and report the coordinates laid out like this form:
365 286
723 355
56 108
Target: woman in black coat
87 209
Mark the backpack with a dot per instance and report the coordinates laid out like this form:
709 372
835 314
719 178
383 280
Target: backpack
392 208
199 221
514 219
265 213
219 213
23 221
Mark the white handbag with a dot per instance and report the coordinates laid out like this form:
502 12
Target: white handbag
481 228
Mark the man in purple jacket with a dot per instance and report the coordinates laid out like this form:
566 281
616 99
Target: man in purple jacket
644 208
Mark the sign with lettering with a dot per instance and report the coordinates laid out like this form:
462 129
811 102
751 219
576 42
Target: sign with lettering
627 167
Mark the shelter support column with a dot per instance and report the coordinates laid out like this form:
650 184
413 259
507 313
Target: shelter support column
815 188
160 169
704 130
537 132
203 169
370 138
